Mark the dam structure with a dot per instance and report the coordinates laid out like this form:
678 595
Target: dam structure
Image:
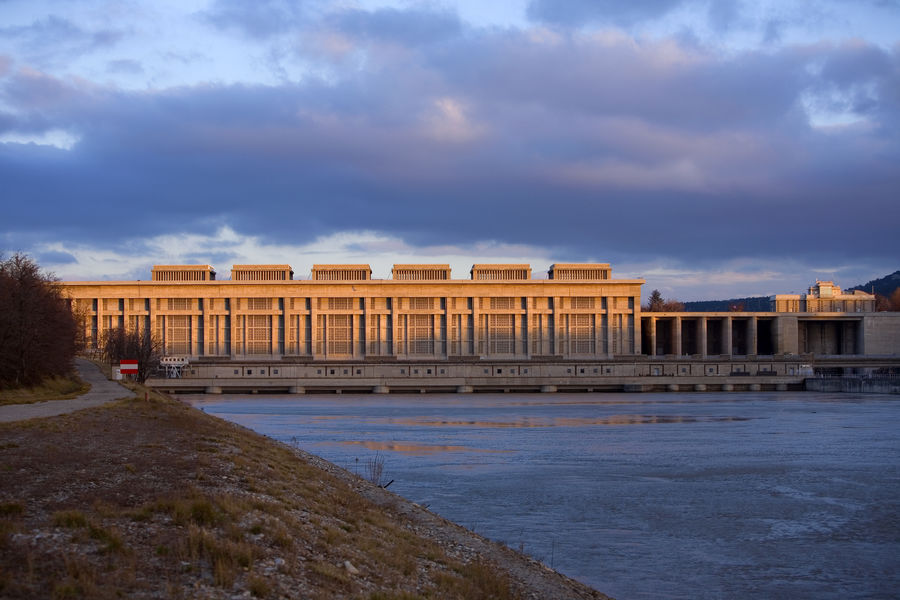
500 329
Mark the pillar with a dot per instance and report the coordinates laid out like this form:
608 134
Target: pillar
676 333
652 336
752 336
701 334
726 336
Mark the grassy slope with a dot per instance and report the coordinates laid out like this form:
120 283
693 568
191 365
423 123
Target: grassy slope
54 388
153 499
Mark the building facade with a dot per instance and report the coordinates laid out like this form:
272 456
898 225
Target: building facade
824 296
341 313
422 314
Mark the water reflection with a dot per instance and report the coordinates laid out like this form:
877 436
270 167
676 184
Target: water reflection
701 496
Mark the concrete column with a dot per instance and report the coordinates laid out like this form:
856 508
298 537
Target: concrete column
195 346
313 329
558 328
652 336
726 336
752 336
676 333
528 332
635 313
448 327
273 333
354 335
477 334
701 334
519 336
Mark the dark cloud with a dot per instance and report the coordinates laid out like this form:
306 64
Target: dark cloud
601 146
53 37
56 258
258 19
408 27
580 12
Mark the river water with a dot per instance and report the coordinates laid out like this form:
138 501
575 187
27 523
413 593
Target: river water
762 495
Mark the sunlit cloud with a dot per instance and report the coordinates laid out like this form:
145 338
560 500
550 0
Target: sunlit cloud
56 138
226 247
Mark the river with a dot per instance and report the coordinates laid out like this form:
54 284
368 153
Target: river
680 495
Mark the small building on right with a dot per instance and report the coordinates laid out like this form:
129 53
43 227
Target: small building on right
824 296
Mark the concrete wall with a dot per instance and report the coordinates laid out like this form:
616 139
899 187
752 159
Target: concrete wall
881 334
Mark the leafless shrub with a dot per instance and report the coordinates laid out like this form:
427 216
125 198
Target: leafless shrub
375 468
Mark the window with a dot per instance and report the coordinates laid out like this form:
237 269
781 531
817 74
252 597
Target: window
274 371
236 372
421 334
582 303
501 331
421 303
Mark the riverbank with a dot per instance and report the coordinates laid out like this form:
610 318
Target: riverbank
153 499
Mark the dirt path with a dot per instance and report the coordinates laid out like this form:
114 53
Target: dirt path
102 391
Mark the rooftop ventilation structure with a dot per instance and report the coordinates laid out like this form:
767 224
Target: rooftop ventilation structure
175 273
420 272
505 272
341 273
262 273
579 271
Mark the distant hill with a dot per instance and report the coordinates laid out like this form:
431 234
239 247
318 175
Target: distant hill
884 286
753 304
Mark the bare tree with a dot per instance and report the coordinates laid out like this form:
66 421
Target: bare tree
132 344
37 331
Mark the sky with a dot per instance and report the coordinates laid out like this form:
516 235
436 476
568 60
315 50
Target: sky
714 148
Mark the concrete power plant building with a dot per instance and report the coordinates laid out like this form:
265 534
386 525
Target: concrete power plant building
499 329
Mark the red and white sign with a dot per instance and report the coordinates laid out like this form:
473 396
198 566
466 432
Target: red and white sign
128 367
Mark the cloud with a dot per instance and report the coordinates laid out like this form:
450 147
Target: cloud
409 27
433 136
124 66
259 19
578 12
53 38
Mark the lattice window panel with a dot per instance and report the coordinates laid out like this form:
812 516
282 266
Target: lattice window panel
180 304
536 334
502 331
259 304
372 339
259 334
503 303
421 303
339 334
340 303
178 334
582 302
421 334
581 334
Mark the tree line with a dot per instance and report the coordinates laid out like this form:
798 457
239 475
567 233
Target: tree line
37 330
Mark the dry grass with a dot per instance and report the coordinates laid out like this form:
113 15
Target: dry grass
152 498
54 388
